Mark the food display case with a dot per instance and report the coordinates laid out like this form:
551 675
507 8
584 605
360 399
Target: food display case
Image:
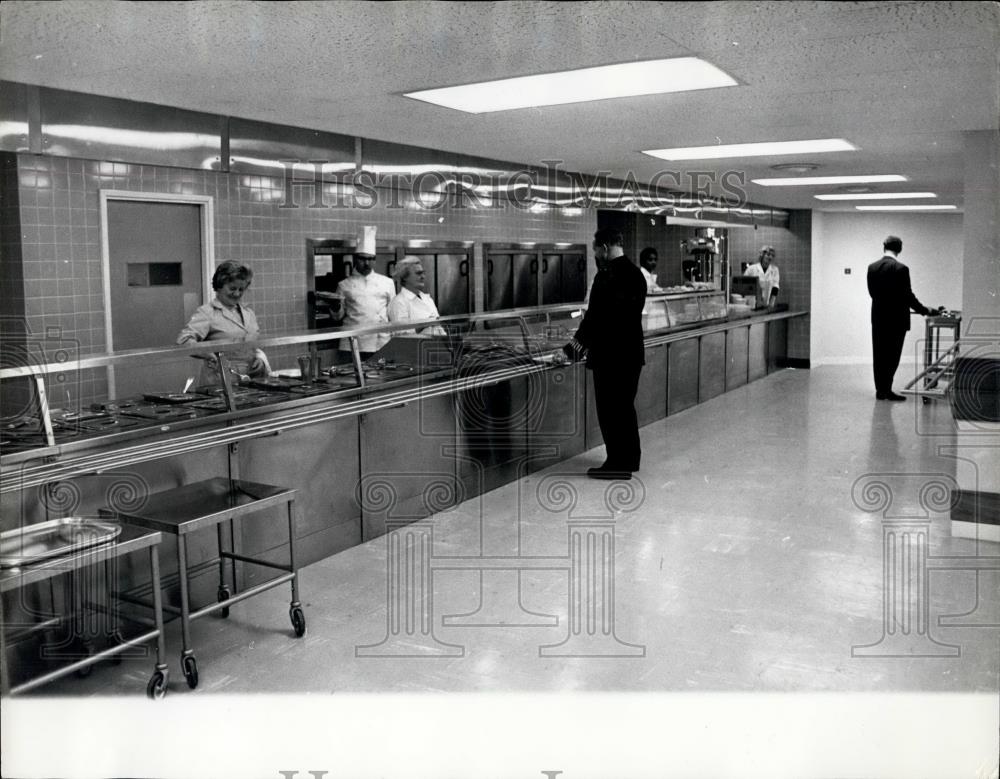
683 309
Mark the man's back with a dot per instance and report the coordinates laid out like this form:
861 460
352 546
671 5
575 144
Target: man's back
892 297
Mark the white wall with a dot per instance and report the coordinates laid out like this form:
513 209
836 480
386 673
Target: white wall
840 325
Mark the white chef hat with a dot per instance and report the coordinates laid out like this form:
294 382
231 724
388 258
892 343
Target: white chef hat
366 241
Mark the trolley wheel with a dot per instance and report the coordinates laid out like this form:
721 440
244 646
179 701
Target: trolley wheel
190 667
222 594
88 650
926 400
157 686
298 621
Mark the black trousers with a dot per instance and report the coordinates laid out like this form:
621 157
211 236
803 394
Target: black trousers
614 395
887 346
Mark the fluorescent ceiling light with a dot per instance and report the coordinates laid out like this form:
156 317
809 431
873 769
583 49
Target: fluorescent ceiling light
906 208
805 181
768 149
877 196
627 79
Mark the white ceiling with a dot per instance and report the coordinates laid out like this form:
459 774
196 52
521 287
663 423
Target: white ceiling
901 80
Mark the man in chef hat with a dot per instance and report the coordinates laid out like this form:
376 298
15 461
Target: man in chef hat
366 296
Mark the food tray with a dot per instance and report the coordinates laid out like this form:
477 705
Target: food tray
174 397
55 538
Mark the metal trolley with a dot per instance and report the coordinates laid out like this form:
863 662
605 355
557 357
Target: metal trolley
940 351
73 562
193 507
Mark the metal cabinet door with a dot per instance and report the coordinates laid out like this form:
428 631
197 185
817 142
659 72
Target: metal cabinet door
499 282
525 271
385 261
574 278
551 272
451 283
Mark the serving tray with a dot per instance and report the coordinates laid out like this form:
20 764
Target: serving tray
55 538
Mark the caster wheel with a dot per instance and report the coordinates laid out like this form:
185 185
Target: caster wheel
190 668
926 400
222 594
87 650
298 621
157 686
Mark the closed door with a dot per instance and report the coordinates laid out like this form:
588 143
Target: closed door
525 281
499 282
451 290
551 271
155 278
574 277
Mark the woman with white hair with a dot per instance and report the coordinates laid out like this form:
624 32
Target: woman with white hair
768 279
412 302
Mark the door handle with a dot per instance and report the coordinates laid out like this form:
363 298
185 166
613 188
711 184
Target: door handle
489 267
463 268
534 266
545 264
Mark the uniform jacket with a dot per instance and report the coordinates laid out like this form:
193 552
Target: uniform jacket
214 322
892 297
611 330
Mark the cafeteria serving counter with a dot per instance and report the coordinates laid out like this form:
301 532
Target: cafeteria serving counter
430 420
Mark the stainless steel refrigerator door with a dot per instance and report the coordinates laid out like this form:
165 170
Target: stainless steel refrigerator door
499 282
451 279
525 282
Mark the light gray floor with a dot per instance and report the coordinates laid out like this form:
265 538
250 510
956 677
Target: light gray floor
746 558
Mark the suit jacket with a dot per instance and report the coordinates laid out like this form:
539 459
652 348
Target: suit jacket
611 330
892 297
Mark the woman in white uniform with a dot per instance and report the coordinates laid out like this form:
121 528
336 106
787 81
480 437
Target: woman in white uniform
766 273
413 302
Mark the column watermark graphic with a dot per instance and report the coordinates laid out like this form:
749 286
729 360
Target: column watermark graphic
587 564
906 503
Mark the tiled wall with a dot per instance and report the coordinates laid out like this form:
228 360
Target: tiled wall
59 211
793 256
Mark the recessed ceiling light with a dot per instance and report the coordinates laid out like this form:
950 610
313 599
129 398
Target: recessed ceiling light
877 196
767 149
796 167
820 180
905 208
627 79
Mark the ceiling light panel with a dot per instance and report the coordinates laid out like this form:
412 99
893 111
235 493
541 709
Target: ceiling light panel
877 196
768 149
628 79
906 208
814 181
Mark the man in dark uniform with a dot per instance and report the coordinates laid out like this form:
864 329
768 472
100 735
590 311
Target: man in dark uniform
611 336
892 299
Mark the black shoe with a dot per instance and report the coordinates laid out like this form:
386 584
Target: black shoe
609 474
889 396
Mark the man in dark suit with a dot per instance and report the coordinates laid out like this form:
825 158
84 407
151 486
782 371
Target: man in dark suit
611 336
892 300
